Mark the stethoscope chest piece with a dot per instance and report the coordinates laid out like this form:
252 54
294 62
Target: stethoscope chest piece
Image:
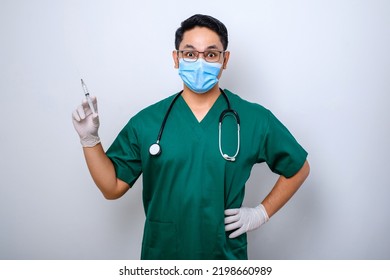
155 149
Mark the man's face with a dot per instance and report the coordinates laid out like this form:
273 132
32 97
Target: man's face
201 39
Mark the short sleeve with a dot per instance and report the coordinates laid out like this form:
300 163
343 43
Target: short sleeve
125 155
282 153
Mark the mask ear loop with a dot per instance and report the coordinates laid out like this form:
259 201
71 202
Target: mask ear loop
221 117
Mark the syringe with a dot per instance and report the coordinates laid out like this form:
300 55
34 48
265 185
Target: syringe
87 96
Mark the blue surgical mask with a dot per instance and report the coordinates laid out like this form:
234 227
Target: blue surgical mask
200 76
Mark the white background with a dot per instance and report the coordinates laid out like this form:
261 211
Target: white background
322 67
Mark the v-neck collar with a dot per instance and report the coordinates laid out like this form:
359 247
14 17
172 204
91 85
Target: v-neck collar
213 114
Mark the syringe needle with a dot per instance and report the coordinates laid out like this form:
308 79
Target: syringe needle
86 92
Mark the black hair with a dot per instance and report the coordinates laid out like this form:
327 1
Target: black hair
202 21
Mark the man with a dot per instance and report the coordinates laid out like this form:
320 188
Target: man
194 172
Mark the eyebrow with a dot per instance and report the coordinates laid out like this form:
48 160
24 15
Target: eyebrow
212 47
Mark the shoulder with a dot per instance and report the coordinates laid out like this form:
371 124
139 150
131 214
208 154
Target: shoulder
149 116
245 107
153 111
156 108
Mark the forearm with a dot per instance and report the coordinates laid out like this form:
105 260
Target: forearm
245 219
284 189
103 172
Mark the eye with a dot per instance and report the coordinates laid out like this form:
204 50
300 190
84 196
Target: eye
212 54
189 54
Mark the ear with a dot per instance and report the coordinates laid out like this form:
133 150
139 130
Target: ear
226 59
175 59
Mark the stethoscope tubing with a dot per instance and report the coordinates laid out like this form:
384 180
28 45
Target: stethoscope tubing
155 149
166 117
221 117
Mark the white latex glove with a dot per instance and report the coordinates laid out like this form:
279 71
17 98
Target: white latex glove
86 123
244 219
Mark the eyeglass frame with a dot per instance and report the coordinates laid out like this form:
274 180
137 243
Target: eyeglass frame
198 53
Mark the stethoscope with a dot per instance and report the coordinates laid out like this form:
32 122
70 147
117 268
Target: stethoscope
155 149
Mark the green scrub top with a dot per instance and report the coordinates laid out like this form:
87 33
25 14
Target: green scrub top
189 185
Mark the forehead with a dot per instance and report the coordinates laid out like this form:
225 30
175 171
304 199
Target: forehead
201 38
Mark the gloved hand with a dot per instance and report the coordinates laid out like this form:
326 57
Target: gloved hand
244 219
86 123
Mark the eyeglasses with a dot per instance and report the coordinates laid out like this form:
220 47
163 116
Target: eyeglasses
192 56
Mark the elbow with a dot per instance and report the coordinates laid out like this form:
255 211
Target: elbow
116 191
108 193
111 195
305 170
